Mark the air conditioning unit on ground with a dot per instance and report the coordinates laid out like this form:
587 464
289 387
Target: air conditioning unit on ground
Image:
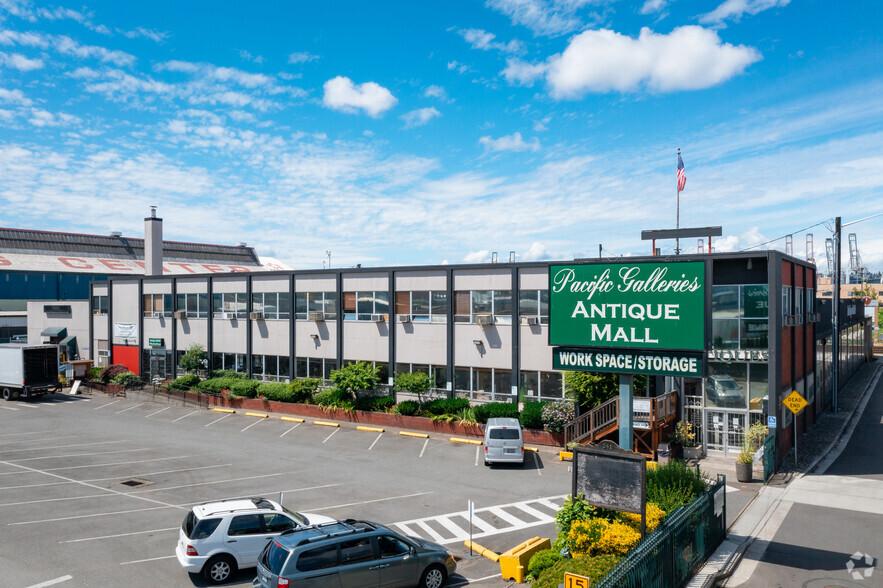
317 316
530 320
813 317
378 318
484 319
180 314
403 318
790 320
257 315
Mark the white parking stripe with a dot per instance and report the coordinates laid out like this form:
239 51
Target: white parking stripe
17 460
120 535
531 511
499 512
477 454
251 425
8 408
186 415
52 582
379 435
206 483
157 412
427 529
118 477
370 501
220 419
448 524
5 443
131 408
485 526
125 563
26 433
331 435
101 465
108 404
65 447
290 430
549 504
425 443
30 405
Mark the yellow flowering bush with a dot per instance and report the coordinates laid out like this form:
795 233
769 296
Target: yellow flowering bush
654 517
585 534
617 539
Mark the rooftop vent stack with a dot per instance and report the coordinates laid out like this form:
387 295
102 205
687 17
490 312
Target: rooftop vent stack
153 244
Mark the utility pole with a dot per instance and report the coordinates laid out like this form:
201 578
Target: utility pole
835 315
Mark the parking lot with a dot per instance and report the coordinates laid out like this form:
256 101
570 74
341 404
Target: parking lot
93 489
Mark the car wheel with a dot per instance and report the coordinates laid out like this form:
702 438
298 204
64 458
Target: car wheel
219 569
433 577
7 394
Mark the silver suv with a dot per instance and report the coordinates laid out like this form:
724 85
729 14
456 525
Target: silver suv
352 553
218 538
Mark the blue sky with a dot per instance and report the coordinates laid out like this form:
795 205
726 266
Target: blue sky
418 133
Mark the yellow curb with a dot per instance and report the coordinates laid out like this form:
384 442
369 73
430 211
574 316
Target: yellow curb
493 556
410 434
230 410
326 424
260 415
565 455
534 449
375 429
461 440
291 419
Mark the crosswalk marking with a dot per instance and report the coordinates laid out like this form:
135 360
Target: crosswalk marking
458 531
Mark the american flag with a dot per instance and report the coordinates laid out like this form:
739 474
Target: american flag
682 177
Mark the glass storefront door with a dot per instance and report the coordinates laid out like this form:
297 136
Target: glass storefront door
725 431
158 365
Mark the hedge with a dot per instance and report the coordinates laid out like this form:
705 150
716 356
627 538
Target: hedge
492 410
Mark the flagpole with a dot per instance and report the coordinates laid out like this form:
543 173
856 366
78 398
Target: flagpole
678 215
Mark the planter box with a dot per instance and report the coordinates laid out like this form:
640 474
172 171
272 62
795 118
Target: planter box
693 452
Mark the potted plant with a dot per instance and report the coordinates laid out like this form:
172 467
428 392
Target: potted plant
684 436
745 464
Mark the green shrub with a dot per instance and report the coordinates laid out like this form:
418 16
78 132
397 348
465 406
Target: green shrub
353 377
531 417
673 485
441 406
185 382
334 398
227 374
374 403
574 509
215 385
110 372
127 380
275 391
417 383
557 414
95 373
542 560
491 410
407 408
302 390
246 388
593 568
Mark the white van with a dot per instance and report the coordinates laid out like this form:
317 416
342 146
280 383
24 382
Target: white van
503 441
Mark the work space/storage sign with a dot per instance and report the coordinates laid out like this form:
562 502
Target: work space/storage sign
633 305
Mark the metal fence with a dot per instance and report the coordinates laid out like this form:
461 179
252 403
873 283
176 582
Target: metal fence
672 554
769 458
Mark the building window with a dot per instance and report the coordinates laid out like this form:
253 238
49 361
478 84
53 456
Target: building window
483 383
271 368
740 317
313 367
540 385
469 306
230 305
798 305
423 305
315 303
362 306
99 305
786 301
810 300
438 374
195 305
157 305
229 361
534 304
274 305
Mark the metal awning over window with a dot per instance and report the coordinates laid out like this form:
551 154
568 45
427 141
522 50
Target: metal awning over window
70 340
54 332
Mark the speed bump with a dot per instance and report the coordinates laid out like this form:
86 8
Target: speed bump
259 415
228 410
326 423
410 434
291 419
534 449
373 429
462 440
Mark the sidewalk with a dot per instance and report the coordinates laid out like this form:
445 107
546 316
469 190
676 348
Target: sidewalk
817 450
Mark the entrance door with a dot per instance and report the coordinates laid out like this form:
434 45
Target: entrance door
725 430
157 365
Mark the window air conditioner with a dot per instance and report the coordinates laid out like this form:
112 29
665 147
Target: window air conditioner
530 320
180 314
484 319
790 320
378 318
257 315
317 316
403 318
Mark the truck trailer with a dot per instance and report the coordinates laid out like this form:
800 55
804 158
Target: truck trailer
28 370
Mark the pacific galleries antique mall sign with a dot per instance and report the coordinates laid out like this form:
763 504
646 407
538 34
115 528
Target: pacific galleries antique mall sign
628 305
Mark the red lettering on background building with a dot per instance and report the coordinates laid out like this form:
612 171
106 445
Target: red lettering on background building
4 261
215 269
239 269
142 265
115 264
184 266
69 261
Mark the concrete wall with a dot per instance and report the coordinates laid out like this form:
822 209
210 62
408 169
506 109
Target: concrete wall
76 322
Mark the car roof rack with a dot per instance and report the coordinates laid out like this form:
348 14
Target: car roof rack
323 531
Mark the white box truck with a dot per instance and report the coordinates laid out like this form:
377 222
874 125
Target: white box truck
28 370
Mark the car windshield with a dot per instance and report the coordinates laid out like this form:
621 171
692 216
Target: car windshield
195 528
299 518
504 434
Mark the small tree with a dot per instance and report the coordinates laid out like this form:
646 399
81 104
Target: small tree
356 376
589 389
193 359
414 382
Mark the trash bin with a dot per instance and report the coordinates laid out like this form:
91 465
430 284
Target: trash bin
663 454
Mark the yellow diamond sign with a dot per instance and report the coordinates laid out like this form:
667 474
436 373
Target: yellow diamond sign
795 402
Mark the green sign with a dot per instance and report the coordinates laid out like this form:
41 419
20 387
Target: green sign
627 362
631 305
756 301
156 342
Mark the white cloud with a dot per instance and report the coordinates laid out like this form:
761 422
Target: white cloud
14 97
419 117
68 46
481 256
44 118
484 41
436 92
302 57
341 94
542 124
512 142
689 58
653 6
734 9
536 252
25 39
544 17
523 73
144 33
20 62
461 68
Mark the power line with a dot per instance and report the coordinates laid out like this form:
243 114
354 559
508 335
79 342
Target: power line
785 235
